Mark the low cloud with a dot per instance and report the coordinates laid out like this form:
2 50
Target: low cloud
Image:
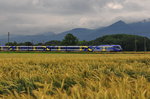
114 6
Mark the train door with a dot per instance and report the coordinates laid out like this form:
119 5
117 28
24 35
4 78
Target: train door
103 48
97 48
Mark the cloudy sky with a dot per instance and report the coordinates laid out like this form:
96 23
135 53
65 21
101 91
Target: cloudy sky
39 16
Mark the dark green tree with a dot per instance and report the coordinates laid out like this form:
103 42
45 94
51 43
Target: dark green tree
11 44
53 43
27 44
39 44
82 43
70 39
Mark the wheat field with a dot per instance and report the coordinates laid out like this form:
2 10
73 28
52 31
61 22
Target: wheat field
74 76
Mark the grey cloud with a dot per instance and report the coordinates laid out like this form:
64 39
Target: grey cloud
68 6
39 16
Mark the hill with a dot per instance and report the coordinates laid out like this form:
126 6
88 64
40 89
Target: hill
128 42
120 27
137 28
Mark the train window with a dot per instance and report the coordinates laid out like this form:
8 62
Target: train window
5 47
84 48
39 47
63 47
25 47
53 47
109 47
30 47
22 47
73 47
118 47
97 48
12 47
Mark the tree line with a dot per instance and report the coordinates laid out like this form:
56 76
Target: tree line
128 42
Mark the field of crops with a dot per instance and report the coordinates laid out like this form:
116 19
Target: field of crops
74 76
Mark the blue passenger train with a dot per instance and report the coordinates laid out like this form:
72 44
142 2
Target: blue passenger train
100 48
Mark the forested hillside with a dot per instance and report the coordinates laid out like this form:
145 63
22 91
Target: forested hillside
128 42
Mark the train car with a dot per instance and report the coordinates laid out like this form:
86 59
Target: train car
108 48
63 48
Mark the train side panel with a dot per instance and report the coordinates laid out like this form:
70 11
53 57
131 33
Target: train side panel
62 48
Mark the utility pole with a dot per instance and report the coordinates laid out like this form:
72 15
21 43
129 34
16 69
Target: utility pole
145 47
8 38
135 43
32 42
43 42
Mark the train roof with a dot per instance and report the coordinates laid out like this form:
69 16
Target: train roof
109 45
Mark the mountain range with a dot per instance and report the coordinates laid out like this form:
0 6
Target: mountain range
141 28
